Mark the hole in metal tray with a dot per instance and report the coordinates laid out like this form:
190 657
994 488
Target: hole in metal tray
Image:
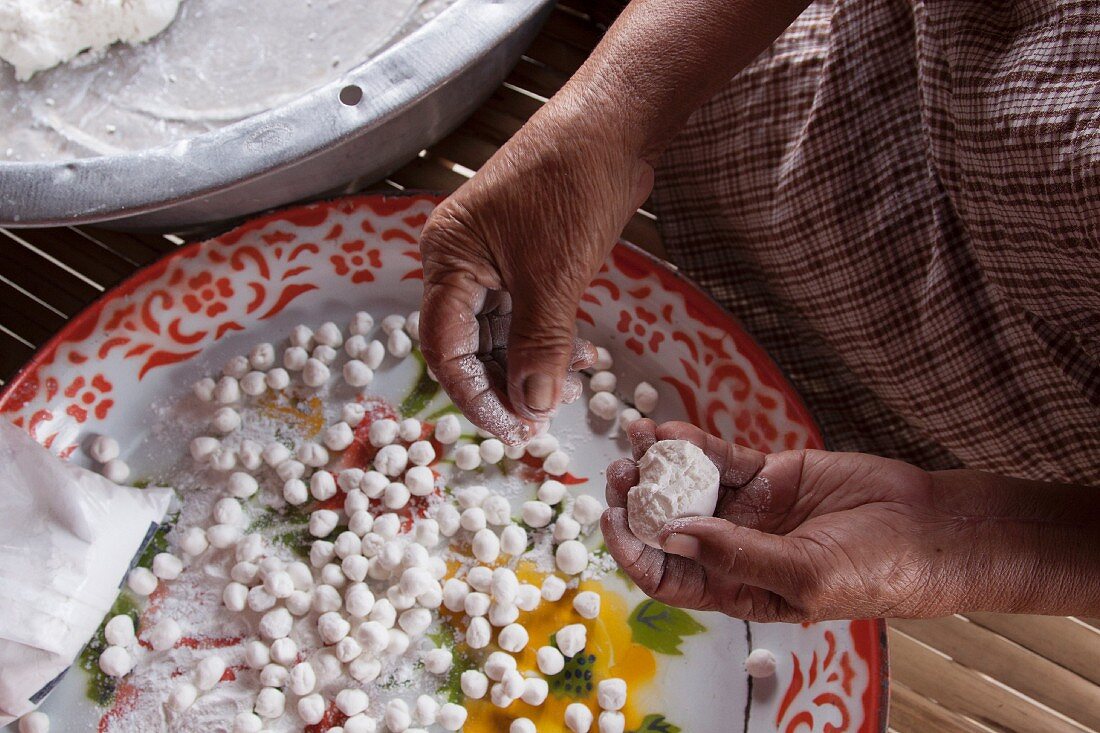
351 95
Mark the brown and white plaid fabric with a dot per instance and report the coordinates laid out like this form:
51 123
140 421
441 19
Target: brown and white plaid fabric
901 201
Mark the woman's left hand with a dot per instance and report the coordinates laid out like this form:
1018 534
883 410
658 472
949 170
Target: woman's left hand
800 535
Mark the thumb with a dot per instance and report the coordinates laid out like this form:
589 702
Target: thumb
738 554
540 351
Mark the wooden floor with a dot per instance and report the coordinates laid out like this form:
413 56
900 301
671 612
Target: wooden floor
980 672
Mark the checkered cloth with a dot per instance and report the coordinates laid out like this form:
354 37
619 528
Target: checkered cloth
901 201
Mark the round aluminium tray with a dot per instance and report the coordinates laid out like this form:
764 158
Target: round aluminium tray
408 96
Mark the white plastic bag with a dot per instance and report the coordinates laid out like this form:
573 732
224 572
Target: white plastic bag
67 539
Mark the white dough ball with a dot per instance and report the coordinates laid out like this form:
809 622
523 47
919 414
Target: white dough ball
522 725
578 718
142 581
353 413
358 374
612 721
537 513
467 457
204 389
182 696
478 633
587 509
553 588
535 691
571 557
270 703
104 448
611 693
760 663
203 447
452 716
254 384
236 367
227 391
491 450
374 354
421 453
474 685
313 455
399 344
551 491
277 379
513 638
328 333
409 429
262 356
572 639
167 566
448 430
628 417
603 382
566 528
311 709
604 405
556 463
486 546
119 631
116 470
164 634
361 323
587 604
420 480
242 485
315 372
209 672
513 540
438 661
550 660
645 398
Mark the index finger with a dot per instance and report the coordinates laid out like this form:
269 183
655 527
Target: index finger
450 337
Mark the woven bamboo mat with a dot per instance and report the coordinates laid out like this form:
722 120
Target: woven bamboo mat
971 674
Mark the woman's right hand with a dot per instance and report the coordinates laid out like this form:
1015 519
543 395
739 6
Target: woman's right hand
506 259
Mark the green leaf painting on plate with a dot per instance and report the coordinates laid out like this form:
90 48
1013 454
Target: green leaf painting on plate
662 628
423 392
656 724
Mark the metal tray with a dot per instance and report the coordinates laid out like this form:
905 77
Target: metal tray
364 124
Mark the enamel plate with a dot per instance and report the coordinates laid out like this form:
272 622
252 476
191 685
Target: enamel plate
125 367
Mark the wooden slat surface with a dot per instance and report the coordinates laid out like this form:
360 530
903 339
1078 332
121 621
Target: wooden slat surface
976 674
1007 662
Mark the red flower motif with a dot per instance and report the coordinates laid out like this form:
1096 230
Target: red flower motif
208 293
89 396
358 260
639 329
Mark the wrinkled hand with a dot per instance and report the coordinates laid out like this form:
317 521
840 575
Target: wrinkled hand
797 535
506 259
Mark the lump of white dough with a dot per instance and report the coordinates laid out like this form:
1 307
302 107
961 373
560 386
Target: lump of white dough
760 663
677 480
40 34
115 662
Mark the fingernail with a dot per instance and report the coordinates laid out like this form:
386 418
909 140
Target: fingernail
538 392
682 545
